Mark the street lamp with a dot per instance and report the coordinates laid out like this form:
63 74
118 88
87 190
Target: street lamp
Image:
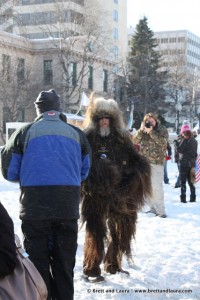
178 108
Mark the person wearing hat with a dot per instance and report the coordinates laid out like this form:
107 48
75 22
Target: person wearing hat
114 192
187 151
153 138
49 158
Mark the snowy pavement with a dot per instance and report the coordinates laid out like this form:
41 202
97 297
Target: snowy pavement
166 252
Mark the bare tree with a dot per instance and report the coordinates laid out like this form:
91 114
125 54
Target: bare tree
17 90
80 37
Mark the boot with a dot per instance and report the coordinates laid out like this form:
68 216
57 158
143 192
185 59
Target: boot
183 198
193 198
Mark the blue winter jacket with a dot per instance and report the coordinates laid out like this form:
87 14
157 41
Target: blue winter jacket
49 158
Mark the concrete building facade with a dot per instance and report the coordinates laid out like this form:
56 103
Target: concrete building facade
73 46
30 66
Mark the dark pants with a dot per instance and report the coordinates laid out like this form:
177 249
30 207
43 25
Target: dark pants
178 183
185 177
166 179
52 246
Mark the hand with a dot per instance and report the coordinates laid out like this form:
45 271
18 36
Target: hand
148 130
142 127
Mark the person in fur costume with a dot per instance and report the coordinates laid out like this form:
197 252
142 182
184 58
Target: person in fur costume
114 192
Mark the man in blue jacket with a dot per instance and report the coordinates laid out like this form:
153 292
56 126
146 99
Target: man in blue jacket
49 158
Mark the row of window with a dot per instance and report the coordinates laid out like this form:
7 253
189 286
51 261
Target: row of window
178 40
45 35
48 75
51 17
191 65
31 2
171 64
172 52
193 43
193 54
48 72
170 40
179 52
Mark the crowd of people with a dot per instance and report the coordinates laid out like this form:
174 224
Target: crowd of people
102 171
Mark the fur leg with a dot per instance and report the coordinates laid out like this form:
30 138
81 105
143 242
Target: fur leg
113 258
94 247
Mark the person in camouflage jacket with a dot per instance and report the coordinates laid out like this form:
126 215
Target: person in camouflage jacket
153 137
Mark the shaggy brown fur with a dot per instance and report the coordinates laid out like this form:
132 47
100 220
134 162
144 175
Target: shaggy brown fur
113 193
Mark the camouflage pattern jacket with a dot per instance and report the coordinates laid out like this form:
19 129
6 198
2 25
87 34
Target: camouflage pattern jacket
153 145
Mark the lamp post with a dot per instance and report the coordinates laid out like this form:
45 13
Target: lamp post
178 108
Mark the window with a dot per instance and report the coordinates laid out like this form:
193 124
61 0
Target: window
116 69
115 15
90 77
6 117
6 67
48 72
115 34
25 2
73 73
25 19
20 114
20 70
121 94
105 80
116 52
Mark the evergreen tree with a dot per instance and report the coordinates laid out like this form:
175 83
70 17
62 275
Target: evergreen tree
146 80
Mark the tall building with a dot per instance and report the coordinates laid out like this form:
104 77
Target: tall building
180 54
39 19
182 43
177 43
180 51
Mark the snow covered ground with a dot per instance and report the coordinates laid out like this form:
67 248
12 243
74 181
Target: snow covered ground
166 252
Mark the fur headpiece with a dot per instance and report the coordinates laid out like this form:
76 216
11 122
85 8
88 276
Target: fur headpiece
100 107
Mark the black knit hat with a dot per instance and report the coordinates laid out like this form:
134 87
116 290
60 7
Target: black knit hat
47 100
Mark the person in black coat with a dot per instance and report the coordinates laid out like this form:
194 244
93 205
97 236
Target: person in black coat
187 150
8 257
176 142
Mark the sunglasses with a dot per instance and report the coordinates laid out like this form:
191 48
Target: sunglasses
107 118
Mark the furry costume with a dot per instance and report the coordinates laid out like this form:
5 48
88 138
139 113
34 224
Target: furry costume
118 181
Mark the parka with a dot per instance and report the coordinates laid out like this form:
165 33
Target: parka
48 190
153 145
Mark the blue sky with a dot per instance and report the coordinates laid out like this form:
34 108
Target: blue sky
166 15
